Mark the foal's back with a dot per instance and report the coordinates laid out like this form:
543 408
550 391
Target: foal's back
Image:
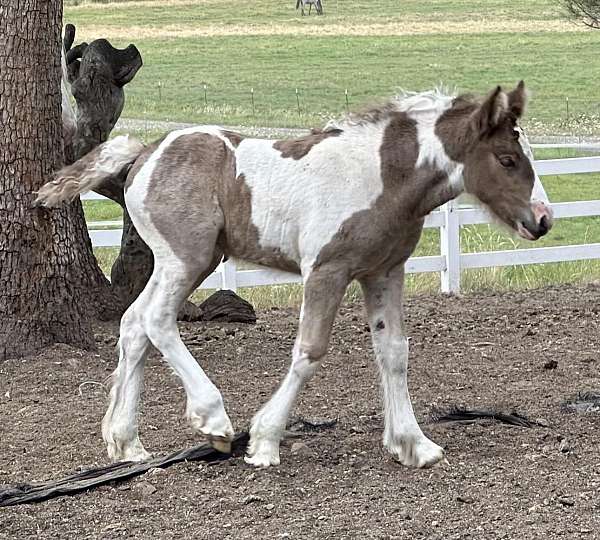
275 203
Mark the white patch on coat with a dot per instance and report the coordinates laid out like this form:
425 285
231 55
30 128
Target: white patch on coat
426 109
299 205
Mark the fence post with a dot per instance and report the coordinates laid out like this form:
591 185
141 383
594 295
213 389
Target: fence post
229 276
450 248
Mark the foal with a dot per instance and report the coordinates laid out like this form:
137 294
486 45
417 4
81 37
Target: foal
340 204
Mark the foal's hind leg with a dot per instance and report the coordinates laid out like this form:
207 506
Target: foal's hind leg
174 282
119 426
323 292
402 435
152 317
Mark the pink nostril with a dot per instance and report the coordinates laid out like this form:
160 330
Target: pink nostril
543 216
543 226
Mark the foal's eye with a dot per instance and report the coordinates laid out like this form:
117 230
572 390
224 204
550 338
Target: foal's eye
506 161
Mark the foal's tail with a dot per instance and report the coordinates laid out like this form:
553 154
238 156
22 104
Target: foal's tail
106 162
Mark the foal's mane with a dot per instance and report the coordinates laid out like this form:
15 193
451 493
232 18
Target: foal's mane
428 102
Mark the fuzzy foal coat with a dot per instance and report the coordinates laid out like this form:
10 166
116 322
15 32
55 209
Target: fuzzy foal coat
343 203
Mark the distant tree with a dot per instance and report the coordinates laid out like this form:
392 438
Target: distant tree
586 11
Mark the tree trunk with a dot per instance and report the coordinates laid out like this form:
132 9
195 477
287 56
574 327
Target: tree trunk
47 270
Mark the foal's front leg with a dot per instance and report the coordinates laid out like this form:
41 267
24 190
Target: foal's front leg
323 292
402 435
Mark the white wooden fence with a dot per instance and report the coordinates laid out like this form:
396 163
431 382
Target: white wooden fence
449 219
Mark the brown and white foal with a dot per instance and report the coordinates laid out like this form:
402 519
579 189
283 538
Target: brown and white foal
340 204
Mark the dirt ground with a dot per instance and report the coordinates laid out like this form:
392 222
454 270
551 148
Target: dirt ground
479 351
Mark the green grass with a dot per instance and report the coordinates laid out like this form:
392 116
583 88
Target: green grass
555 64
172 87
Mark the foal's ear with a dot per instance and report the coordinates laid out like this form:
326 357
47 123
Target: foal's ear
517 100
488 114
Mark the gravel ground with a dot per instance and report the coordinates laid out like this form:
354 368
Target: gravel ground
132 124
523 351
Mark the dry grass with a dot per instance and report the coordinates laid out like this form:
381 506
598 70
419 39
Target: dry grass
396 28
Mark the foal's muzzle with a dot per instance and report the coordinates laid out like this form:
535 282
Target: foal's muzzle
539 222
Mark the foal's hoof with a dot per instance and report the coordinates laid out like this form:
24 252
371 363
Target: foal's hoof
220 444
262 453
216 428
421 453
132 452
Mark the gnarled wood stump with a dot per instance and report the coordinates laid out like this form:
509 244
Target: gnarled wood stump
97 74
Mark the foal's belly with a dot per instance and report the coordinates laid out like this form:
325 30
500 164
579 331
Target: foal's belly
269 257
241 240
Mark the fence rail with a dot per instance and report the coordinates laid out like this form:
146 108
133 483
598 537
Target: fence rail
449 219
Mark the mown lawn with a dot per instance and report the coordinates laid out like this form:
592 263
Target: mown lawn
264 51
152 13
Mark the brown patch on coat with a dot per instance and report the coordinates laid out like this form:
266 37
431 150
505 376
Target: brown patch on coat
452 127
200 208
182 199
298 148
240 237
386 234
374 114
234 138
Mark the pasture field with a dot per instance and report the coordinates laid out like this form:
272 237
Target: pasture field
253 56
482 351
264 51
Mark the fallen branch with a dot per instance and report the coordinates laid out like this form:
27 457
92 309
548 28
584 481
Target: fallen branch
465 416
92 478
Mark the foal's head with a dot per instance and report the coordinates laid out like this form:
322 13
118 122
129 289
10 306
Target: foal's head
496 169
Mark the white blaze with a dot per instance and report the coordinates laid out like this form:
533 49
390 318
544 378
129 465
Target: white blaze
538 193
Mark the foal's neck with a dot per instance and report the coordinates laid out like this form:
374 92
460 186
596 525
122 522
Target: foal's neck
450 136
441 175
443 191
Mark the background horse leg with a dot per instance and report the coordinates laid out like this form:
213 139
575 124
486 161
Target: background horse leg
323 292
402 435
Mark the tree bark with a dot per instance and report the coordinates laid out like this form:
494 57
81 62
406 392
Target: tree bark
48 274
